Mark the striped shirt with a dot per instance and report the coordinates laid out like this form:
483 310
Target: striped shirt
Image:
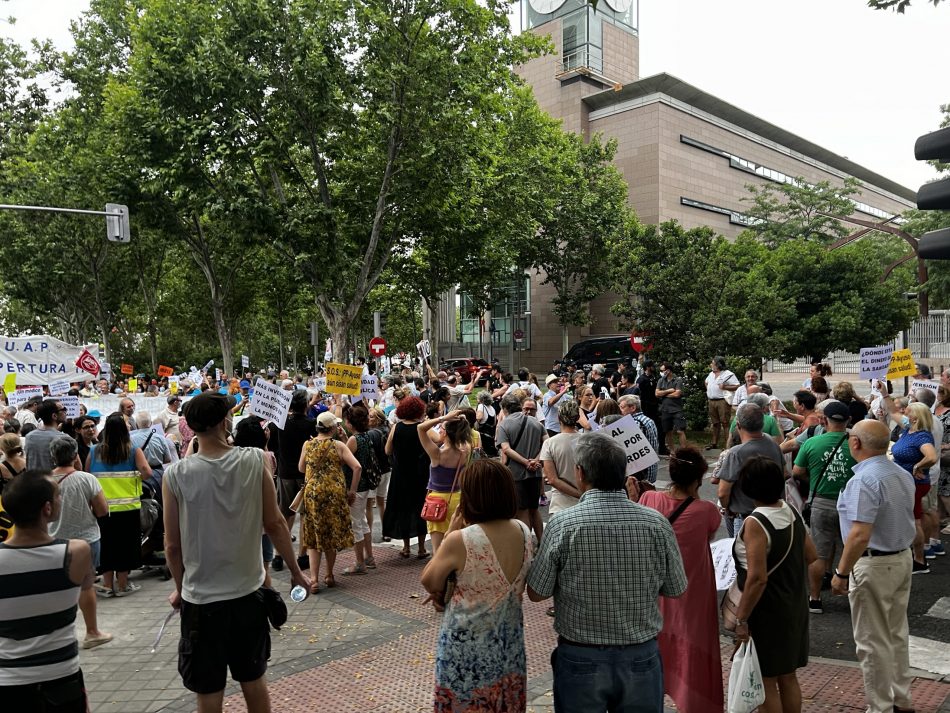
649 430
880 493
607 561
37 614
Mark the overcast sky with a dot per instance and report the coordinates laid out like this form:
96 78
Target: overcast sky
862 83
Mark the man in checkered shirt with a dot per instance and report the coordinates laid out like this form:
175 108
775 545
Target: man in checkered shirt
606 561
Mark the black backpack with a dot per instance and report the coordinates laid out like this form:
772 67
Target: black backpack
486 431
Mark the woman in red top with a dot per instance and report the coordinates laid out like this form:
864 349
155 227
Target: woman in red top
689 642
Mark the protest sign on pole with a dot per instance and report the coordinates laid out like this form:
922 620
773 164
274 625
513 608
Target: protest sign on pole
424 349
724 565
164 371
56 388
628 434
328 351
173 384
245 361
270 402
344 379
71 404
127 369
207 366
133 386
9 383
902 364
875 361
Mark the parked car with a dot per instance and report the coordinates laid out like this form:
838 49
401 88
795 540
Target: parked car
466 368
610 351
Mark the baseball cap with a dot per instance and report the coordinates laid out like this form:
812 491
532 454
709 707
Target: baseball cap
207 410
549 378
837 411
245 384
328 420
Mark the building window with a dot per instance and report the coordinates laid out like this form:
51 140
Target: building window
770 174
735 217
510 312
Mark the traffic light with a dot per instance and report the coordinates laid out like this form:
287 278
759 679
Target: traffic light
382 324
935 146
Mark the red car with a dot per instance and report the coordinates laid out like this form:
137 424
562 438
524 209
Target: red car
466 368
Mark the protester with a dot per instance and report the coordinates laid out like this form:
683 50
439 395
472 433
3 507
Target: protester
587 404
844 392
689 642
480 657
519 438
915 452
363 444
486 420
556 392
84 429
942 413
720 383
409 479
27 413
772 550
81 502
446 463
630 406
250 434
42 579
557 459
876 510
51 415
121 470
741 394
328 499
223 617
377 496
169 418
14 463
670 390
606 607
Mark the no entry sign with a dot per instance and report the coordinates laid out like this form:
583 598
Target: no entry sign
640 341
377 346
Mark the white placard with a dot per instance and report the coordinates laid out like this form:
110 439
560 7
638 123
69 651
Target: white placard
270 402
592 421
40 359
217 374
245 361
424 349
924 384
628 434
17 397
369 389
875 361
320 384
328 352
71 404
104 368
724 565
58 388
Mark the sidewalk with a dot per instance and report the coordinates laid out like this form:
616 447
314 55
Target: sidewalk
368 645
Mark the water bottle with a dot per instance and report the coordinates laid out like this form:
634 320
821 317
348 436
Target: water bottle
298 594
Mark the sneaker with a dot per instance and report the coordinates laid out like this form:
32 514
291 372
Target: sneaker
920 568
130 588
937 549
91 642
303 561
929 553
103 592
278 564
815 607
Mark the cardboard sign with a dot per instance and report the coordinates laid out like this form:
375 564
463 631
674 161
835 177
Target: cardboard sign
724 565
328 351
173 384
369 388
207 366
320 384
627 433
245 361
71 404
270 402
57 388
424 349
875 361
127 369
902 364
344 379
164 371
133 386
9 383
24 394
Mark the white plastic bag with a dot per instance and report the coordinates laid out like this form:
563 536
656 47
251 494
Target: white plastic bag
746 690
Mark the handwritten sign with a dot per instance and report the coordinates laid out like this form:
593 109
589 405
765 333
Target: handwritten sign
173 384
424 349
271 402
71 404
344 379
207 366
902 364
875 361
627 433
724 565
127 369
57 388
24 394
133 386
245 361
164 371
328 351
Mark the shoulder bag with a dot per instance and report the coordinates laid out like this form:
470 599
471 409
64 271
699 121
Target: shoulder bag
806 508
435 509
729 607
679 510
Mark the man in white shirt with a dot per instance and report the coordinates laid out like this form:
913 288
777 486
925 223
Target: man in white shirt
720 383
523 383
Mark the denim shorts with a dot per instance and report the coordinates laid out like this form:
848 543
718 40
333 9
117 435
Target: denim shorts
96 548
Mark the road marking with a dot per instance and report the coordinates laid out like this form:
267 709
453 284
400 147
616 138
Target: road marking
940 609
929 655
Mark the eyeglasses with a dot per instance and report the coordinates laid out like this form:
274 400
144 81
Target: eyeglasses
529 410
60 410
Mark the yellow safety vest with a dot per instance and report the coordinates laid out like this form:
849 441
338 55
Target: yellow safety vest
123 490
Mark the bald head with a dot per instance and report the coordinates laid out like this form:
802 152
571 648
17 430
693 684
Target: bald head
870 439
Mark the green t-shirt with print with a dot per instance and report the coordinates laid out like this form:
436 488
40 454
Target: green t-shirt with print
769 425
813 455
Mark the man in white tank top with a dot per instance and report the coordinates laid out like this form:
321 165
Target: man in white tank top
216 502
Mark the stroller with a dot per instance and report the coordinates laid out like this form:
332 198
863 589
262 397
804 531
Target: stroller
153 530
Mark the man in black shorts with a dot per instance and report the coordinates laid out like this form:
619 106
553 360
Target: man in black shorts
669 390
519 439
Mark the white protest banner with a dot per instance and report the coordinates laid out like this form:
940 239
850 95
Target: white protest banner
25 394
627 433
424 349
270 402
71 404
924 384
875 361
592 421
57 388
724 565
40 359
104 405
245 361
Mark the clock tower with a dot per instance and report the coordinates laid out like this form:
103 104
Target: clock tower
596 48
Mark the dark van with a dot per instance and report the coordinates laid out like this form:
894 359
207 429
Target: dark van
609 351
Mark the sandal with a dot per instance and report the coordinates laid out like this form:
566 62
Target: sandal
423 555
405 554
314 588
330 582
358 569
370 563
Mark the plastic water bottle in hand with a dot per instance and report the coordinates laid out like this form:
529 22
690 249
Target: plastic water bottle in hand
298 593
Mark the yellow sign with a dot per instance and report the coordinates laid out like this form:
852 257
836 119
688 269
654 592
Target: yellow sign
133 385
6 524
902 364
9 384
173 386
344 379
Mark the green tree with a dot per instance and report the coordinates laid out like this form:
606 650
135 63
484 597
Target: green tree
897 5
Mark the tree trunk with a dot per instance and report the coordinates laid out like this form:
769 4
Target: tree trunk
280 339
434 335
224 334
153 343
564 340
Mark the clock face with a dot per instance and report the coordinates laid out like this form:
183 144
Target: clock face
546 7
619 5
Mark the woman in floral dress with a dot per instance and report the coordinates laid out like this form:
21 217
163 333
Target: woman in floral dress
325 521
480 659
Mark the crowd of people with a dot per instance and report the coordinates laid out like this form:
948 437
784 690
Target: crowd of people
809 494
